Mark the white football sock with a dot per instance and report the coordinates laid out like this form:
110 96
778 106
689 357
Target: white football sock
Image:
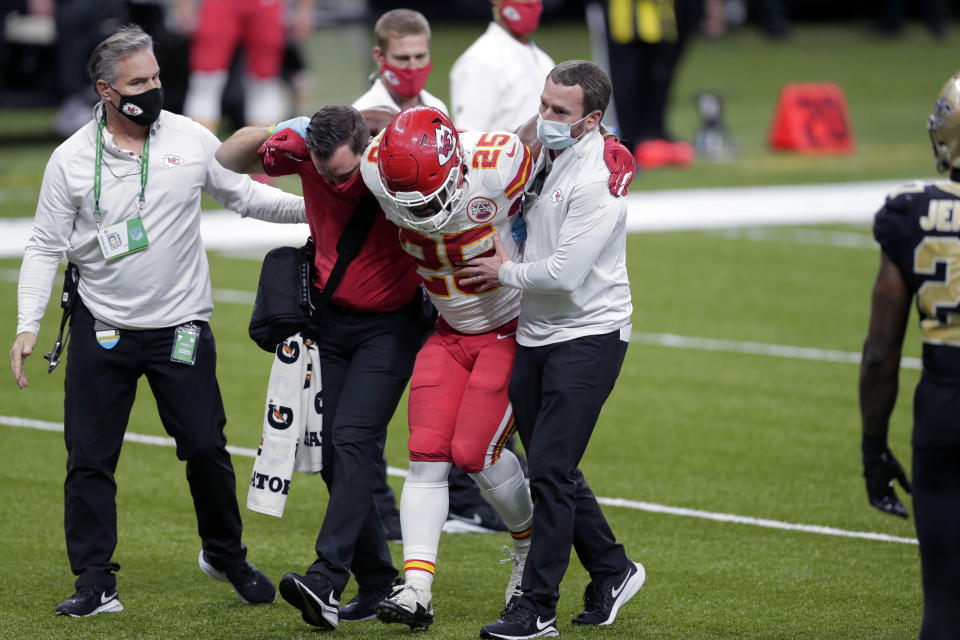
503 486
424 503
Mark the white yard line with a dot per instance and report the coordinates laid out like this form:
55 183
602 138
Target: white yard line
811 237
757 348
651 507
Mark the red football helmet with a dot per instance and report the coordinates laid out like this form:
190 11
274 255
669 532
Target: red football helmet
419 162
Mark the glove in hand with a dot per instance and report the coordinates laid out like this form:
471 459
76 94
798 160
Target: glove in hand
286 141
620 163
880 470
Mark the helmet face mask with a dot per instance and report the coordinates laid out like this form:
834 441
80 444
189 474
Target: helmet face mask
944 126
420 166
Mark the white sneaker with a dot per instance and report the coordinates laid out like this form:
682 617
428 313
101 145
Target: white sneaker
407 605
518 560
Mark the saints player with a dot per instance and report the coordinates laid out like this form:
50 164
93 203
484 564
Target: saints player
449 195
919 234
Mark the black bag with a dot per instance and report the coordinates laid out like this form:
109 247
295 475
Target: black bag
283 303
282 306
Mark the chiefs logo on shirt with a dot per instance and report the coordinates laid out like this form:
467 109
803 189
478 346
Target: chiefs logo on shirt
171 160
446 144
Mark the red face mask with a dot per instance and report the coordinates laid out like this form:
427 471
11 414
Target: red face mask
521 17
354 187
407 82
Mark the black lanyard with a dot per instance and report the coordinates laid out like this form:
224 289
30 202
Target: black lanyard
98 162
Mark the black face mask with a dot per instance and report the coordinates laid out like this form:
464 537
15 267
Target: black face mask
142 108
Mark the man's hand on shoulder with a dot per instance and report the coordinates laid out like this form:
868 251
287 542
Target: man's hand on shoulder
286 141
620 163
23 346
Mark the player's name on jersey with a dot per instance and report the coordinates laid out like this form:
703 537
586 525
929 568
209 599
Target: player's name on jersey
942 215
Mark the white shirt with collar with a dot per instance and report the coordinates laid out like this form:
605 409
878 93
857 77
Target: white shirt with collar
495 84
168 282
574 269
378 96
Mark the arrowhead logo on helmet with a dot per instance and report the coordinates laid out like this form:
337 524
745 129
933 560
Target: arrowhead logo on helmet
446 144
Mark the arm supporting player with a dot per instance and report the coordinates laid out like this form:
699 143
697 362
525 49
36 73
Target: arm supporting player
879 375
239 152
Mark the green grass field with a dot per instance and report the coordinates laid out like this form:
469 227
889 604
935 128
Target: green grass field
742 434
751 435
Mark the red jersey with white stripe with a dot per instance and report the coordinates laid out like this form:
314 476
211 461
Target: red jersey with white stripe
497 166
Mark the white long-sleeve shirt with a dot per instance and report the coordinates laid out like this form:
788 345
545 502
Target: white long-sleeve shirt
166 284
378 96
574 270
495 84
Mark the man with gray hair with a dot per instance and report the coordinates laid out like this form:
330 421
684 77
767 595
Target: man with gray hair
572 336
121 198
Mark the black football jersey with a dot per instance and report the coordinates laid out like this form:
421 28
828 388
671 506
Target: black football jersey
919 230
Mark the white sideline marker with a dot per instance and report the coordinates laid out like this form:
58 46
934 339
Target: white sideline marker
758 348
42 425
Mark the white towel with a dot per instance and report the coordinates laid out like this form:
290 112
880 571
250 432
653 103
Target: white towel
292 426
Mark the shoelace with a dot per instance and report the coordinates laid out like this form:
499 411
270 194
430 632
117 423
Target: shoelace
516 573
591 599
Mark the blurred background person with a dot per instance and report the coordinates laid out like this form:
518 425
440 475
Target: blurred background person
645 40
891 15
218 28
402 56
495 84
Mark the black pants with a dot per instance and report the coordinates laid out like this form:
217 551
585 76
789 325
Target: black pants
557 392
365 363
936 505
642 73
99 391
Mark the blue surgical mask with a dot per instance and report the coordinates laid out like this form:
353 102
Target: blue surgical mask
556 135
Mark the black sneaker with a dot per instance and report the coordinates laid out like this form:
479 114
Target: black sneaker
89 601
314 596
250 583
519 622
363 606
481 518
603 599
407 605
